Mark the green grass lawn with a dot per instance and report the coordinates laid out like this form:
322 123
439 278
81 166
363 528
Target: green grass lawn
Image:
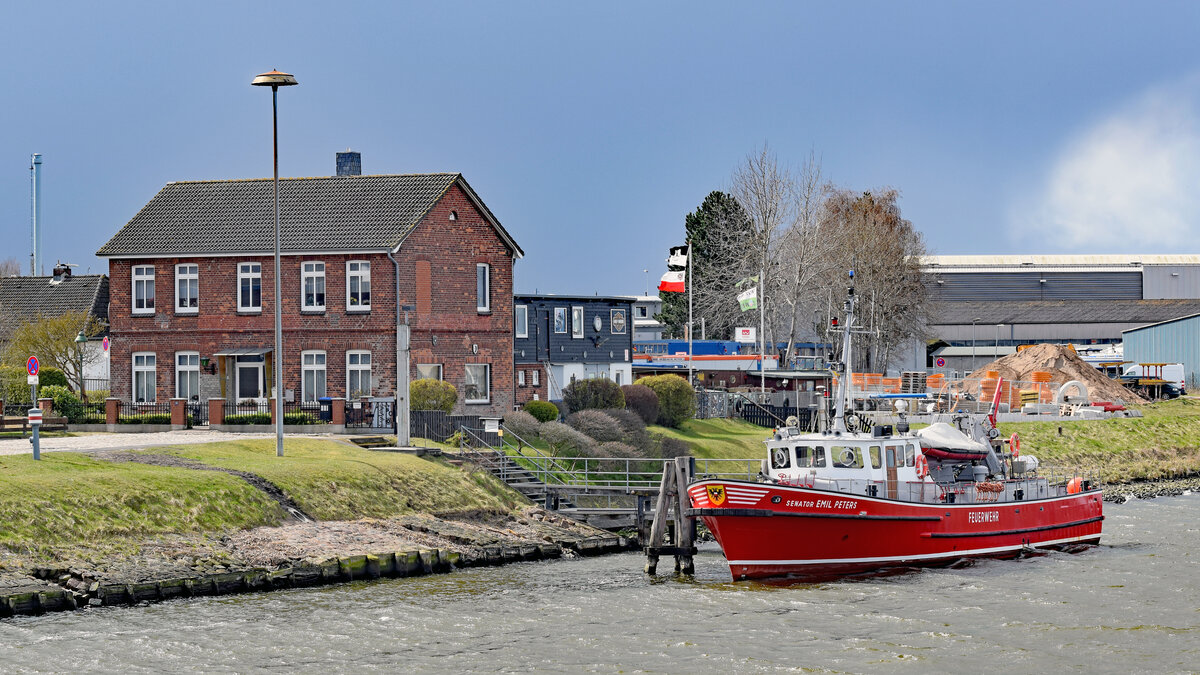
70 504
720 439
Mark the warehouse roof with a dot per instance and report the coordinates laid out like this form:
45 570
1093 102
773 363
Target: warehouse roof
1061 311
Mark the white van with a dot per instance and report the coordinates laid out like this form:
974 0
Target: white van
1172 372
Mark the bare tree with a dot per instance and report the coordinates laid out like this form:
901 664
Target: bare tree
10 267
52 340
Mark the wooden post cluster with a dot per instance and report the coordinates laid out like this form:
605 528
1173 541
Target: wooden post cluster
673 498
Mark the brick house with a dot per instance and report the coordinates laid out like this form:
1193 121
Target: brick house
562 338
192 290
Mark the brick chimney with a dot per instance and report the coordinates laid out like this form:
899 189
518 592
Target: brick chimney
349 163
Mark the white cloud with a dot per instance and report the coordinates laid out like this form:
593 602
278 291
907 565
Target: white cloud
1130 182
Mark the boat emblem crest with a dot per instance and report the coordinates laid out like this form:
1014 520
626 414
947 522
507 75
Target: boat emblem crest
716 494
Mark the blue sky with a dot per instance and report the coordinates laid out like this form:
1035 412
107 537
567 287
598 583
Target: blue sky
591 129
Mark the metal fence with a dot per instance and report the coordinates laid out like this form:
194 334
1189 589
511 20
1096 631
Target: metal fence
370 414
436 425
774 416
143 413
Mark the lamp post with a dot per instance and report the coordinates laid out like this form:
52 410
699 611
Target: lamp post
998 327
973 321
275 79
81 340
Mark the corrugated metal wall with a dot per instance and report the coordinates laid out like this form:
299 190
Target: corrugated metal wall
1173 342
985 286
1171 281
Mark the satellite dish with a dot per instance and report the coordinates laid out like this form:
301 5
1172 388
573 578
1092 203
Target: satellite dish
792 421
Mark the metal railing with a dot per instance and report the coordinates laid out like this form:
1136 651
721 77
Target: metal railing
304 412
143 413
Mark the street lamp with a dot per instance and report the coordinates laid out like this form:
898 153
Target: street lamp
998 327
81 340
973 343
275 80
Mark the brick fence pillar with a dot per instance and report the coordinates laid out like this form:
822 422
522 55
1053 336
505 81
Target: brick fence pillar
47 406
339 411
271 404
178 412
216 411
112 410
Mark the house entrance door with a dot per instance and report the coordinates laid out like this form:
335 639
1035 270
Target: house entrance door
249 373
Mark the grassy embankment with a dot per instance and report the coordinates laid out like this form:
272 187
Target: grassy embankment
75 506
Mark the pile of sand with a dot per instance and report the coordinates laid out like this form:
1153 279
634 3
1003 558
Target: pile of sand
1064 365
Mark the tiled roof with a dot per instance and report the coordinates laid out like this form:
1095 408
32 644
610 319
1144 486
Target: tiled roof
24 299
334 213
1062 311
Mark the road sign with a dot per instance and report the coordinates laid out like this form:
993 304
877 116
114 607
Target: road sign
31 366
940 362
32 380
104 343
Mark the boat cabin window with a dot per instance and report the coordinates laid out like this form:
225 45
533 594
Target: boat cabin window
846 457
895 456
875 462
781 458
910 455
807 457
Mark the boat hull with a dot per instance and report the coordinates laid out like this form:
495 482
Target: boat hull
787 531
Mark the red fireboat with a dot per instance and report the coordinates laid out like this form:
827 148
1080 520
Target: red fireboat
858 498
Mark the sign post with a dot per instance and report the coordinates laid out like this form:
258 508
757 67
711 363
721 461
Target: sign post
31 367
35 424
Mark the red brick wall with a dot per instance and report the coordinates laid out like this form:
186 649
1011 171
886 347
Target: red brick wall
525 394
463 335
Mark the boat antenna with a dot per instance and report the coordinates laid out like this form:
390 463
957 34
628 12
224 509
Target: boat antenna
846 374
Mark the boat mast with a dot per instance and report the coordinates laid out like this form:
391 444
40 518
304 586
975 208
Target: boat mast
839 418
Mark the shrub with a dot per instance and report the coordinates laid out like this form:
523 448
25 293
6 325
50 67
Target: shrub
617 449
565 440
300 418
676 400
249 418
633 428
669 448
597 425
524 424
430 394
642 400
593 393
66 403
152 418
543 411
51 377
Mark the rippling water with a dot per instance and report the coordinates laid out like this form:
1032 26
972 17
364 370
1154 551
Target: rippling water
1129 605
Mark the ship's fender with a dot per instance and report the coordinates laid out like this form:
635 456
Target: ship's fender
1015 444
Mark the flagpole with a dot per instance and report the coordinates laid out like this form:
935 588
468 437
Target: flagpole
762 332
691 382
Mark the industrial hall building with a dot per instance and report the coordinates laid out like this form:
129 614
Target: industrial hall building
192 290
983 307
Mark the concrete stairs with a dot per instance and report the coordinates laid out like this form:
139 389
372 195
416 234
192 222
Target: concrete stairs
511 474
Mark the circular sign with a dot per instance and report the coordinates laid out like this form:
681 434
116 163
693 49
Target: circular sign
31 366
939 362
104 343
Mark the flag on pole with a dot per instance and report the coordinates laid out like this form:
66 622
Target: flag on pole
747 281
748 299
672 282
678 257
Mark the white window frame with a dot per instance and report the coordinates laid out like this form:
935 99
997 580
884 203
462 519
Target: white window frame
359 270
187 277
192 369
483 288
245 272
576 321
487 381
313 270
535 380
560 311
521 320
360 368
148 367
317 366
440 370
143 276
520 378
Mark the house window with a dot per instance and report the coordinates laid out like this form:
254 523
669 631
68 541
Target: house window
187 289
640 311
522 321
520 378
312 280
143 289
576 322
535 378
477 387
249 287
358 374
429 371
560 319
483 287
143 377
313 364
187 375
358 286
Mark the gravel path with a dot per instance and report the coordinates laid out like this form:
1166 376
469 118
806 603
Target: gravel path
92 442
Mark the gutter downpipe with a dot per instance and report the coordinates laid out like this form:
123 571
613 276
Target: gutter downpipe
400 419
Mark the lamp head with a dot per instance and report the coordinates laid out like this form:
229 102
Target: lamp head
274 78
81 338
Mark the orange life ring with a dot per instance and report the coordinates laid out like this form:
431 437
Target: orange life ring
922 465
1015 444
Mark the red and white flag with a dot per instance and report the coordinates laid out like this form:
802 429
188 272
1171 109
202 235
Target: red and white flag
672 282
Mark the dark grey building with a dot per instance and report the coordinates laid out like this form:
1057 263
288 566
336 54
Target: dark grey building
563 338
